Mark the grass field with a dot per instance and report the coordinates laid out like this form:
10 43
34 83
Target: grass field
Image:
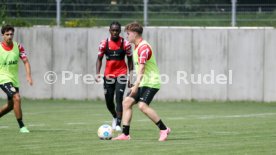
70 127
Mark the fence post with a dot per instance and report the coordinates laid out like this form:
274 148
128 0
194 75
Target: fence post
234 20
146 12
58 12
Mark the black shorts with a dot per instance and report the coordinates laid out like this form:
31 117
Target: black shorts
9 89
115 86
144 94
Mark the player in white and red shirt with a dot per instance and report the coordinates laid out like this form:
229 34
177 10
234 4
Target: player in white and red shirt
115 49
146 85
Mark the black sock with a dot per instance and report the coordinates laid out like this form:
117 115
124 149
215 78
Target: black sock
20 123
161 125
126 129
119 120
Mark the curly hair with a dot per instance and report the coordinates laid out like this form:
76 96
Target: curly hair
115 23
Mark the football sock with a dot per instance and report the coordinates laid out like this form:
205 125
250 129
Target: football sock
126 129
20 123
161 125
114 114
119 120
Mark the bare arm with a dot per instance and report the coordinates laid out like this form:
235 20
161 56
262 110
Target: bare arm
140 75
98 67
130 70
28 71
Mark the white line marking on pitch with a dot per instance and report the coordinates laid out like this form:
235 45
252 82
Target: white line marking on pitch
4 127
36 125
76 123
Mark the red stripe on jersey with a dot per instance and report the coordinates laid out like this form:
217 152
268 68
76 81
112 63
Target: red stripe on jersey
22 53
144 54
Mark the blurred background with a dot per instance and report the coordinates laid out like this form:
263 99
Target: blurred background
88 13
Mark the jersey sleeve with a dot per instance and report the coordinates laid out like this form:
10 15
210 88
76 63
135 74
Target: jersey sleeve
102 48
144 54
127 48
22 52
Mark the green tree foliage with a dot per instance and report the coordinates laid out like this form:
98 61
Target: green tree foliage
75 11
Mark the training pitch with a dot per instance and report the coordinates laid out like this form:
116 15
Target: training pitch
70 127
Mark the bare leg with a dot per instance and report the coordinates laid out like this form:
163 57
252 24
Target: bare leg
17 106
127 115
18 112
6 108
127 110
149 112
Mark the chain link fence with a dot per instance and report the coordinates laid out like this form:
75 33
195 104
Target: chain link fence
92 14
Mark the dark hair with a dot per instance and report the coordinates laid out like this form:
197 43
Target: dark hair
115 23
6 28
134 27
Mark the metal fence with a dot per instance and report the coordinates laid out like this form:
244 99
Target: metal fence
91 14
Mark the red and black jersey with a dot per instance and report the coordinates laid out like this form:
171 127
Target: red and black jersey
115 53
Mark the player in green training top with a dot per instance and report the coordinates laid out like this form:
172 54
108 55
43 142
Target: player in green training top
10 52
146 86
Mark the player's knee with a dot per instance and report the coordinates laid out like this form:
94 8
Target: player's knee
109 102
119 100
119 97
109 96
10 104
127 103
16 98
142 106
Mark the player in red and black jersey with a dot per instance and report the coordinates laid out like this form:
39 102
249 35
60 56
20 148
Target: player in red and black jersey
115 48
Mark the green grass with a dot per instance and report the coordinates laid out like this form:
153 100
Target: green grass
70 127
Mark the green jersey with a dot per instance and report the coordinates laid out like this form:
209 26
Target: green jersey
151 77
9 65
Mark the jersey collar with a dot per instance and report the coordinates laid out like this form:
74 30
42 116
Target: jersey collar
6 46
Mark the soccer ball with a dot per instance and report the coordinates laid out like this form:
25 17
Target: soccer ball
105 132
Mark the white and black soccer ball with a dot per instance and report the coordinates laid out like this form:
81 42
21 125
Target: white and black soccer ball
105 132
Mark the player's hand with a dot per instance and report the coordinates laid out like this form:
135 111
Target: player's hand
30 80
98 76
129 84
133 91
